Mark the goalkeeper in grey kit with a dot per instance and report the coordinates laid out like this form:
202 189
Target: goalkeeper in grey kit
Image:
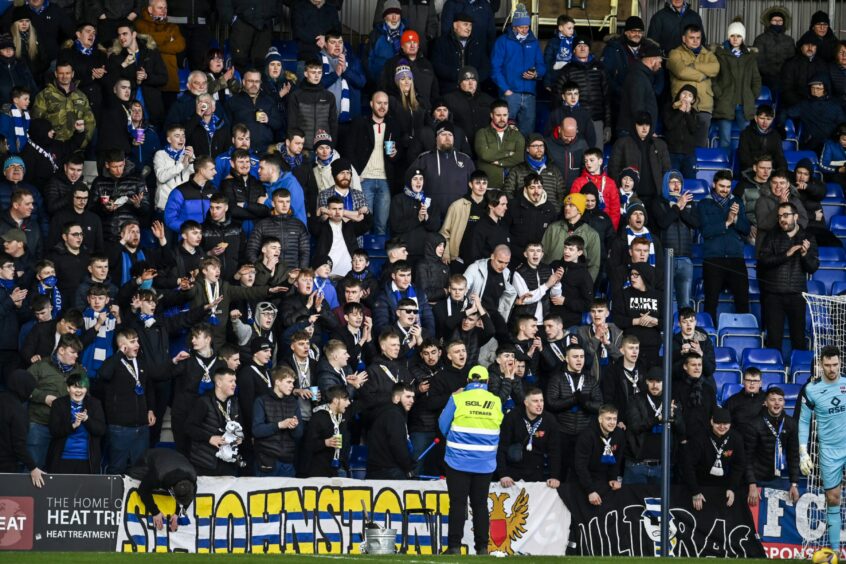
825 399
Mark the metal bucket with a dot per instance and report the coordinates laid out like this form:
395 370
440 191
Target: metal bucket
380 541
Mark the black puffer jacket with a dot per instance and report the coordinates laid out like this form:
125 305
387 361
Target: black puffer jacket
593 86
405 224
472 112
431 273
760 443
575 410
676 226
226 231
206 421
774 48
280 444
14 72
754 142
290 231
449 57
118 189
782 274
794 78
312 107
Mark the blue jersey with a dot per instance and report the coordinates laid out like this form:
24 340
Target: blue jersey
827 401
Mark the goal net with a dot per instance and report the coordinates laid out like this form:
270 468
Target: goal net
828 326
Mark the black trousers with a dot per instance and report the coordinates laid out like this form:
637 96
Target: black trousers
249 45
460 486
719 273
568 453
779 307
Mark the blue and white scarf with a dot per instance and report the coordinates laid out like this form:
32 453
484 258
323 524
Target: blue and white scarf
419 196
20 119
175 154
82 48
55 297
63 368
101 349
43 7
340 89
326 161
393 35
411 294
722 202
212 125
537 166
126 265
630 236
565 49
292 160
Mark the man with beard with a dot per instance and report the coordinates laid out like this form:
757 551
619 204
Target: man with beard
573 224
499 146
536 162
798 69
786 257
772 448
431 121
447 170
529 214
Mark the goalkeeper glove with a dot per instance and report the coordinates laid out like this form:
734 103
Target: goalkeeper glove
805 462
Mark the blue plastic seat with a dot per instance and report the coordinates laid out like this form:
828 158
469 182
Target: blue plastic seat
762 357
714 159
723 377
832 254
815 287
800 363
726 357
737 321
832 207
742 342
834 190
765 97
793 157
837 224
698 188
374 242
727 391
829 276
358 461
837 288
771 378
791 134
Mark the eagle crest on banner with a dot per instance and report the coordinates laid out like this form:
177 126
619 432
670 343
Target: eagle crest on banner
505 528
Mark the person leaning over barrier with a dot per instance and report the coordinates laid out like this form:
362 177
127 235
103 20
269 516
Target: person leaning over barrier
168 470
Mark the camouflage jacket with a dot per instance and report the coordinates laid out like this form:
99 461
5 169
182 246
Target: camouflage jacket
62 109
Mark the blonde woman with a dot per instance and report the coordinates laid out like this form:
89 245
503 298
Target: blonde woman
25 39
407 111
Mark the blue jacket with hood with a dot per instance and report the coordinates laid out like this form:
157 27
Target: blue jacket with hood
511 58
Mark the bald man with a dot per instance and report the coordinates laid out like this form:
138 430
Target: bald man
566 147
490 279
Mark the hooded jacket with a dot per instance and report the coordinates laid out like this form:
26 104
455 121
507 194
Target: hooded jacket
381 48
720 241
677 226
431 273
680 128
557 233
170 43
774 47
819 116
447 175
593 86
633 303
738 82
628 152
609 194
404 222
14 72
470 112
828 44
795 74
511 58
639 89
569 158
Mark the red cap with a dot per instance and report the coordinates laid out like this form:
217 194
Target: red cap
410 35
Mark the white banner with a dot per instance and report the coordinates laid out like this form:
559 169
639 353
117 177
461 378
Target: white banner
325 516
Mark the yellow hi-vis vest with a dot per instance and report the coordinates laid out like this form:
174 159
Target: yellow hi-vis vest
473 437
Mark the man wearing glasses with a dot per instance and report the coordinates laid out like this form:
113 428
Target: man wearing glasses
746 404
785 258
70 259
89 222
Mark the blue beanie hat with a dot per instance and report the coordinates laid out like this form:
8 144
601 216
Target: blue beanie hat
521 16
11 161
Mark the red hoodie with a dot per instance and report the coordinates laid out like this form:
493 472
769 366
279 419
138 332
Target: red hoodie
609 194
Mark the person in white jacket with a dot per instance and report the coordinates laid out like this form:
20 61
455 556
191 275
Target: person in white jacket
490 279
173 165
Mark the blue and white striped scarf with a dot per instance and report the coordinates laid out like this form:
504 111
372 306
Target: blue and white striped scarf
213 125
55 298
20 120
101 349
340 89
630 236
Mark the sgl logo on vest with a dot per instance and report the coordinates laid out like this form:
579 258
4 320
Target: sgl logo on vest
482 404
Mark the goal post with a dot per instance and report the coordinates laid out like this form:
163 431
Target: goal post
828 328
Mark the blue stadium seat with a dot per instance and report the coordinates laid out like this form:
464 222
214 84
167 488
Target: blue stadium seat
771 378
832 207
829 277
374 243
726 358
737 321
727 391
832 254
742 342
793 157
182 74
765 97
715 157
837 288
707 175
358 461
815 287
791 134
834 190
723 377
837 224
802 378
800 363
762 357
698 188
